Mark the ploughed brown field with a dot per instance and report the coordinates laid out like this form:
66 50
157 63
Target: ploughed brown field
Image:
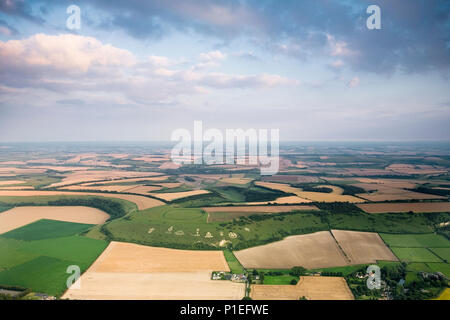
131 271
141 202
21 216
312 288
315 250
363 247
405 207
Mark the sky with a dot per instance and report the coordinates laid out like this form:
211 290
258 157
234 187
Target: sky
138 70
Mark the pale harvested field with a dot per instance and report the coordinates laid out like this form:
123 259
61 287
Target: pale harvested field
278 186
10 182
141 201
178 195
131 271
236 180
47 160
112 188
99 175
405 207
315 250
62 168
12 163
159 178
169 165
329 197
154 286
282 200
265 209
313 288
208 176
79 157
135 258
144 190
152 159
363 247
291 178
17 188
312 196
16 171
96 163
20 216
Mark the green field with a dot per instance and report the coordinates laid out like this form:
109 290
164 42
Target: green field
36 256
441 267
386 222
233 262
228 216
279 280
443 253
177 228
4 207
46 229
418 266
44 200
415 255
416 240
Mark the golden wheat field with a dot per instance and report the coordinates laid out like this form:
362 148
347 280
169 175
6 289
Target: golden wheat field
20 216
309 287
131 271
178 195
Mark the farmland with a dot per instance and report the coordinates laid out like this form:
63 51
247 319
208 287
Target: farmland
21 216
362 247
40 262
140 201
311 288
317 250
129 271
311 251
405 207
140 228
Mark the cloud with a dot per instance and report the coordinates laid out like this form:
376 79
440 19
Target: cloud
415 34
353 83
85 68
6 29
19 8
67 53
